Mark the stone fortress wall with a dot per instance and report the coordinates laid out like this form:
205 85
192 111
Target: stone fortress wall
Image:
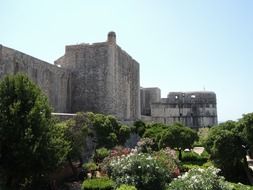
194 109
100 77
54 81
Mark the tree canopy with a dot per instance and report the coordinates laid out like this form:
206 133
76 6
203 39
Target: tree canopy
225 143
179 137
107 130
30 143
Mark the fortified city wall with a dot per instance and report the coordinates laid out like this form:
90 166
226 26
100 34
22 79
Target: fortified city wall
100 78
55 82
193 109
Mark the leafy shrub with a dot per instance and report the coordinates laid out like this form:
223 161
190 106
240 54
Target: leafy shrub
119 151
126 187
141 170
145 145
139 127
239 186
199 179
169 159
108 130
90 166
194 157
100 154
224 143
98 184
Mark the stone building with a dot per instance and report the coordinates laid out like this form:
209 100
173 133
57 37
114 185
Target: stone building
194 109
98 77
103 78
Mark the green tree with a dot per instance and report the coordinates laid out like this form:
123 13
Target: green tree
179 137
224 143
76 131
245 126
154 131
30 144
108 131
139 127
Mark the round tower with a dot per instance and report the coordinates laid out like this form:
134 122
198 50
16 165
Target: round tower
111 37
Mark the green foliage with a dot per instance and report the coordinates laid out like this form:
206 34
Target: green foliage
98 184
199 179
154 132
169 160
224 143
202 134
141 170
139 127
145 145
100 154
178 136
245 126
239 186
76 133
90 166
126 187
194 157
109 132
30 143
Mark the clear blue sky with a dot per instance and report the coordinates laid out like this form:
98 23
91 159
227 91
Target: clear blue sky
181 45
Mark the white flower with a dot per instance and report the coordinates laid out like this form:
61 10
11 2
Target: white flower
149 158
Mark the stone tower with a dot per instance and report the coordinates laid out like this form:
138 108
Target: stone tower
99 77
105 79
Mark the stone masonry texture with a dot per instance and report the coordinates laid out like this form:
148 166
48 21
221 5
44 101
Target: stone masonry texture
55 82
103 78
193 109
98 77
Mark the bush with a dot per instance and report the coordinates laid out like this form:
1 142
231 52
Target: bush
98 184
31 145
100 154
145 145
141 170
169 159
199 179
194 157
239 186
126 187
90 166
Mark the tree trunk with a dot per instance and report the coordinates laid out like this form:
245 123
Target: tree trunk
180 154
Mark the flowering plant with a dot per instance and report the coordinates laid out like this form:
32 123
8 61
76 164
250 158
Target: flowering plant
169 159
199 179
140 170
145 145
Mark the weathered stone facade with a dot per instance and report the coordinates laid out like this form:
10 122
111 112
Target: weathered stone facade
194 109
100 77
54 81
149 96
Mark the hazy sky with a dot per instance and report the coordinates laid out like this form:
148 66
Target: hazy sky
181 45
